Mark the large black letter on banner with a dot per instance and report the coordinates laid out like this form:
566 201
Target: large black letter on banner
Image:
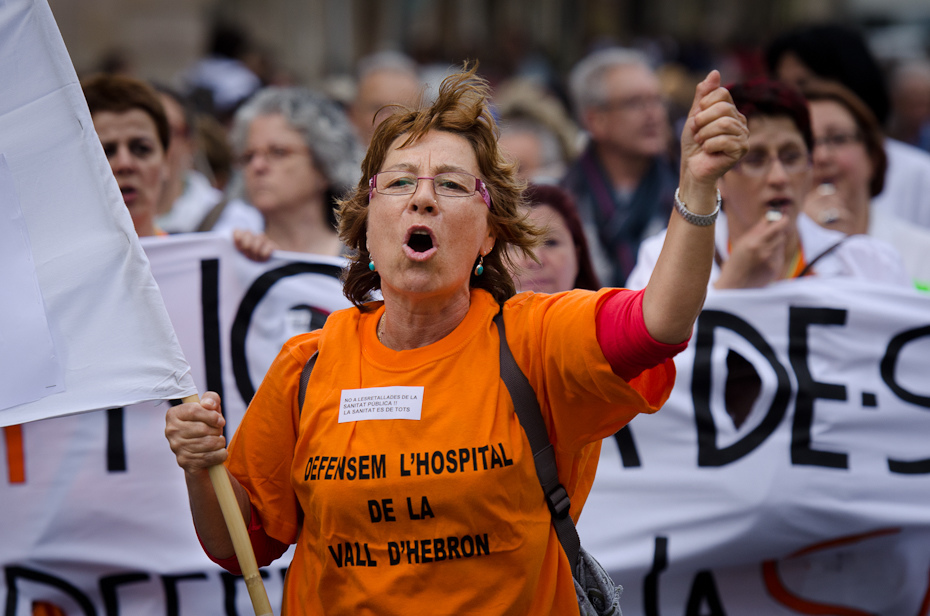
890 362
629 455
651 581
116 440
170 584
808 389
253 297
888 369
704 591
229 589
708 453
109 584
12 596
210 319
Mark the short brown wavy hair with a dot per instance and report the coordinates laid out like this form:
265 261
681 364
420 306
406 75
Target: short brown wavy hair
119 94
461 108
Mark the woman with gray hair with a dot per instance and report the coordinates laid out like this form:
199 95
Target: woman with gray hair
297 153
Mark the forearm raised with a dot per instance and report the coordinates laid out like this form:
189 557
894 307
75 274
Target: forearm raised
675 293
714 138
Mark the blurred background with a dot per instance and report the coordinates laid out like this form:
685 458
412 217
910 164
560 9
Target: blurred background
208 57
309 41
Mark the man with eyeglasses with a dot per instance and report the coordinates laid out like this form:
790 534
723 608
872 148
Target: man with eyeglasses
623 182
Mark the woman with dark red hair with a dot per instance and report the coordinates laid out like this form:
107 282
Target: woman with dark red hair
562 260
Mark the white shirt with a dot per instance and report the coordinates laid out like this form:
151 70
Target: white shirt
189 210
859 256
239 215
907 183
911 241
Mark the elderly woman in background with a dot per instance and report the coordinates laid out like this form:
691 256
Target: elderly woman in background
562 260
297 153
134 132
849 170
406 480
765 236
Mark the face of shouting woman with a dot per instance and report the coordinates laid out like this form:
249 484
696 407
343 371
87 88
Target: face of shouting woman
425 245
137 159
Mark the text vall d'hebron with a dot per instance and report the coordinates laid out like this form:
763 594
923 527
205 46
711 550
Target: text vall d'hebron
321 467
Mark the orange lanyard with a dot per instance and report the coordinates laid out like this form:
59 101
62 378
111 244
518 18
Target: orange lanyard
798 265
796 269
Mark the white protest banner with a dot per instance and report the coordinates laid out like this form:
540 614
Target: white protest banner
109 330
101 523
232 342
789 472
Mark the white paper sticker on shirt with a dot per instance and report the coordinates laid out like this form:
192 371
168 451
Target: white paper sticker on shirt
380 403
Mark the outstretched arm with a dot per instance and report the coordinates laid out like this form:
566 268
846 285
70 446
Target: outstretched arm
714 138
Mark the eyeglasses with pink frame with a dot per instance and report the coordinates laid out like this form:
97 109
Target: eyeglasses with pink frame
409 189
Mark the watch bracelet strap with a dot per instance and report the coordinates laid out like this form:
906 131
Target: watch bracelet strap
700 220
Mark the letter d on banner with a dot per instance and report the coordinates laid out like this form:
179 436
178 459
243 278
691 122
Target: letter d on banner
708 452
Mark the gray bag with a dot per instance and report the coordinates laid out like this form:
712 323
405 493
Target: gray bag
597 594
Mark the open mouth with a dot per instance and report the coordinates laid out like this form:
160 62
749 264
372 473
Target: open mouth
129 193
420 244
420 241
778 204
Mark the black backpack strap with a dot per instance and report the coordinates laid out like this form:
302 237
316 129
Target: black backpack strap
304 379
527 408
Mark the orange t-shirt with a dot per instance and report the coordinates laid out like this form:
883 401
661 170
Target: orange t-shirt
444 512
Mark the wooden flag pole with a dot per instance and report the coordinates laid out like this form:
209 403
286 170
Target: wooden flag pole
239 535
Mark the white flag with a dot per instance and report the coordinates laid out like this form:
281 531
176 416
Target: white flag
97 478
105 339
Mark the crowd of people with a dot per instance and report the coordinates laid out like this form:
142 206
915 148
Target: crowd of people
609 145
813 170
